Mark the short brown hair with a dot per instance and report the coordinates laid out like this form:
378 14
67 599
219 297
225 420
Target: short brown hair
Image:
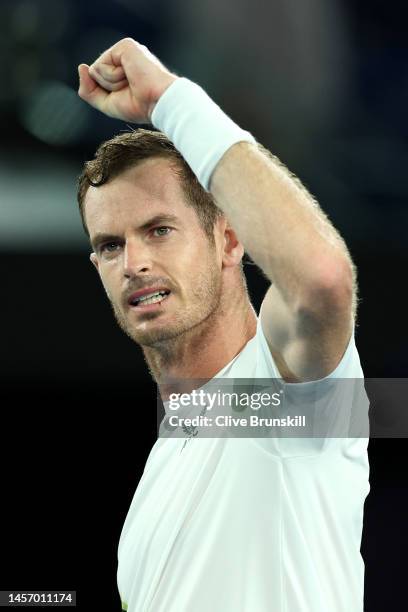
128 149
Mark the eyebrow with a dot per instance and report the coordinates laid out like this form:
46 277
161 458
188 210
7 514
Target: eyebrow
161 218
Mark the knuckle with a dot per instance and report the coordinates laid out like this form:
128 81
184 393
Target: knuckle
129 42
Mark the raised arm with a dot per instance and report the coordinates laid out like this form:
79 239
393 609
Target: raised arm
307 314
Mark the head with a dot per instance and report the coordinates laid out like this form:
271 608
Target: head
153 228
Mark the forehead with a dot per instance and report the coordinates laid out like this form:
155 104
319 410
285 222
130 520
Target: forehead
138 193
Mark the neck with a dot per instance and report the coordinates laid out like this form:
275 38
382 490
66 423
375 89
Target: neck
204 350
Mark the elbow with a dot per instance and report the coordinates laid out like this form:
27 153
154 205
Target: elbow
332 293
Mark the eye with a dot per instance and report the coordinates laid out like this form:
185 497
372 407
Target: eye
109 247
162 231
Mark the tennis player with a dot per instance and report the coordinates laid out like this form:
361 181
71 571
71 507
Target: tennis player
222 524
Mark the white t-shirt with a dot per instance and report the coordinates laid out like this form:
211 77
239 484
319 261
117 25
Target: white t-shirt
249 524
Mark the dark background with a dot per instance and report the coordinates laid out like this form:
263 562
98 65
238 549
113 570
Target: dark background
324 85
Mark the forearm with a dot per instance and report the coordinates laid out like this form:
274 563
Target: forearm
280 225
278 222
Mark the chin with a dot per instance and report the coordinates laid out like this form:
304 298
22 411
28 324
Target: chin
151 333
155 337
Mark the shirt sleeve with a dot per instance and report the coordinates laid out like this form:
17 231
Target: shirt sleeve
315 415
348 367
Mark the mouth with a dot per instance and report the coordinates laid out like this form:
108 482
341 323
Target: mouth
147 300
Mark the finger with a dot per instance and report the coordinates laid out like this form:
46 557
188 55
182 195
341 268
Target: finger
96 74
110 73
89 90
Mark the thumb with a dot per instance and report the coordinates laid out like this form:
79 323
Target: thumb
86 83
89 90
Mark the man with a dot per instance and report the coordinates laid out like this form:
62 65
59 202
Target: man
251 524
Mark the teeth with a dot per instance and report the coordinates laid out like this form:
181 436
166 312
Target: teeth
157 298
149 295
152 298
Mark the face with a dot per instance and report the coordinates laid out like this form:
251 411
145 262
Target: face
146 240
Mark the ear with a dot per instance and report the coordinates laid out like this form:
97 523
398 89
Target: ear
233 250
94 260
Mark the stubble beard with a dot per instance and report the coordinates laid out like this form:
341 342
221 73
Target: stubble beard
202 307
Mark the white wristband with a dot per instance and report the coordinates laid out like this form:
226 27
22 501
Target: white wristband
198 128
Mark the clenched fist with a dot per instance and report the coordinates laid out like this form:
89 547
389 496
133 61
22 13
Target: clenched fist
125 82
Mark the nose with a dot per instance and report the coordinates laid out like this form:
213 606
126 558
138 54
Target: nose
136 259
